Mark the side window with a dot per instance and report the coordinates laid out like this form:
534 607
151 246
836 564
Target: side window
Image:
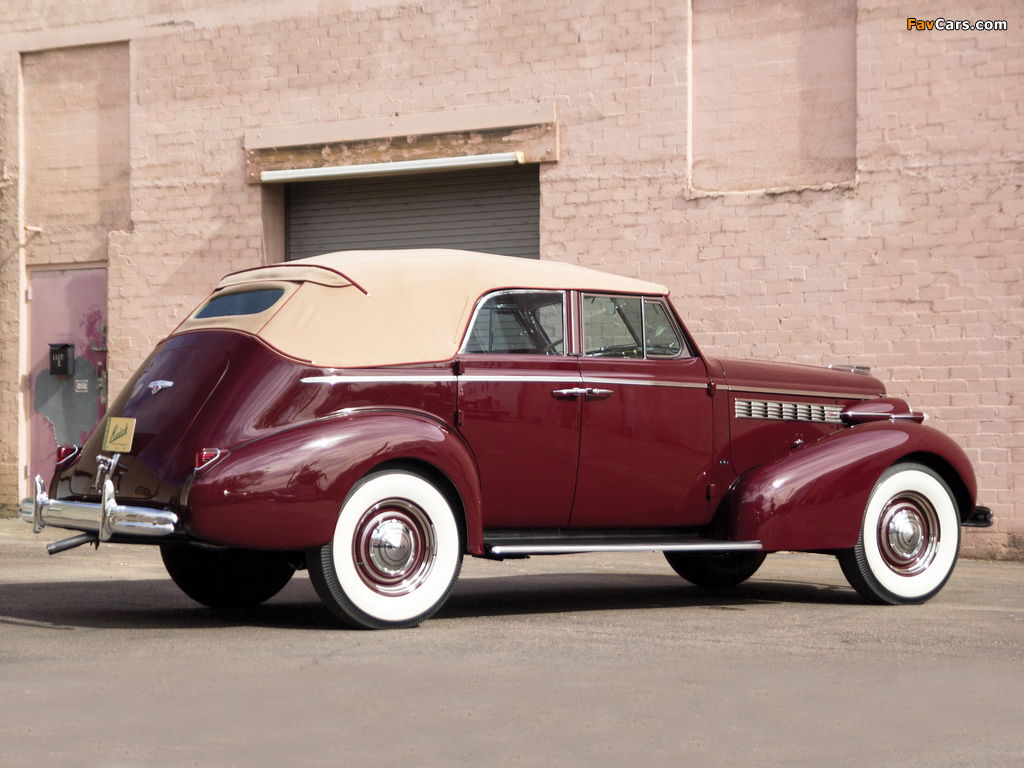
662 338
628 326
613 326
519 322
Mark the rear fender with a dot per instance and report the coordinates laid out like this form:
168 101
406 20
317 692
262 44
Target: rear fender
285 491
814 497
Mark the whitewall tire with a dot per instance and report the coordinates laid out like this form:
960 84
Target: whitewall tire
909 539
395 555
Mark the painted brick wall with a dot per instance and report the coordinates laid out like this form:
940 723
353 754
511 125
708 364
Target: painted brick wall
11 271
76 151
774 93
911 264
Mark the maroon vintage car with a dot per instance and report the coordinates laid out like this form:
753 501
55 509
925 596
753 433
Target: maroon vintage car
374 416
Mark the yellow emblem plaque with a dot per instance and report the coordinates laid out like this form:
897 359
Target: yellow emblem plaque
118 435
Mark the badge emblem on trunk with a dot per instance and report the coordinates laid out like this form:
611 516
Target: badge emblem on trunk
156 386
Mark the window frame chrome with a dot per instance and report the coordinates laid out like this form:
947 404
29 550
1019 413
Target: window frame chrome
684 347
511 291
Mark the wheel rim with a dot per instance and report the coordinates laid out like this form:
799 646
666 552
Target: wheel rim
394 547
908 534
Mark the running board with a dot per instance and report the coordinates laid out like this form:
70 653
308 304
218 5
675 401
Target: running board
521 546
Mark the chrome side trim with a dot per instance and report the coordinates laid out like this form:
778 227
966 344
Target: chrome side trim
442 378
777 411
499 550
801 393
863 370
528 377
429 378
448 378
644 382
104 519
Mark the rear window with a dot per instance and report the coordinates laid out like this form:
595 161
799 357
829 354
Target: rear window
240 303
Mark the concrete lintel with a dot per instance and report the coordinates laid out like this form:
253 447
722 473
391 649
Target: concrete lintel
388 126
537 142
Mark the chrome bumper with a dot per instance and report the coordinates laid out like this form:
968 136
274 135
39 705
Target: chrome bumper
103 519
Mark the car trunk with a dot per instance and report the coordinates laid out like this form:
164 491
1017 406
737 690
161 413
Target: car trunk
164 398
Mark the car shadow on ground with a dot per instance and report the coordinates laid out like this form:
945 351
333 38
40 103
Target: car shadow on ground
574 592
158 604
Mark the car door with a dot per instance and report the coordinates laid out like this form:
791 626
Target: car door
646 435
519 408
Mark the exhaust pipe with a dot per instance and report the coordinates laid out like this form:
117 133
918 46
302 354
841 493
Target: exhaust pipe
75 541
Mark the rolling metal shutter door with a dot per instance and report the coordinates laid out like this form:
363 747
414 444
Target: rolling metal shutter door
494 210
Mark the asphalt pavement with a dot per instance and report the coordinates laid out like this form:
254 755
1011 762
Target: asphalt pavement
595 660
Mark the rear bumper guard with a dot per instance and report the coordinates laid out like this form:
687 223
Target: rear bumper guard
981 517
104 519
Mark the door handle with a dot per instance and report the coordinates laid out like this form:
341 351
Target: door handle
591 393
568 394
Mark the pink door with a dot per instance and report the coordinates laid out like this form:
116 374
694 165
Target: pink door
66 307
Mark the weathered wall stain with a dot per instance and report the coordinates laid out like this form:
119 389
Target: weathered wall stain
72 413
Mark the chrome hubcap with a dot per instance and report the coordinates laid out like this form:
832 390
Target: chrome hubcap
391 546
394 547
908 534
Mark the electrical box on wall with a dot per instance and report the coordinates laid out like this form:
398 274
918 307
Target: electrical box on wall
62 359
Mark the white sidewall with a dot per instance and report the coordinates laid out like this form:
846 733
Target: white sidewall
424 495
931 578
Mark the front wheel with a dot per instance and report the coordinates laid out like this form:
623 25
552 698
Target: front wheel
716 571
909 540
395 555
227 578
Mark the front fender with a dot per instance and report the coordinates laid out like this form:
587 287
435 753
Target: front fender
285 491
814 497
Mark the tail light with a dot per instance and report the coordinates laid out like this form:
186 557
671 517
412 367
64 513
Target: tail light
207 457
66 454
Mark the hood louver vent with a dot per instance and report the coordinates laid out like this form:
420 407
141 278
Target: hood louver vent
766 409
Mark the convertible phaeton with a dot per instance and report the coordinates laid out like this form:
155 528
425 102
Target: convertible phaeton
375 416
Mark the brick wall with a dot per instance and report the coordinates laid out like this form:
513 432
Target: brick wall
75 117
12 443
899 247
774 93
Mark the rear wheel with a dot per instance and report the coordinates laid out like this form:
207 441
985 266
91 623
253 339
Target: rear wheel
714 571
395 555
227 578
909 540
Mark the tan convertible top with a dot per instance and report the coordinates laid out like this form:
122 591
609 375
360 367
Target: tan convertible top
365 308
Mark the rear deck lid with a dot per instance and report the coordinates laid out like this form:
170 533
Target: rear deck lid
165 398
